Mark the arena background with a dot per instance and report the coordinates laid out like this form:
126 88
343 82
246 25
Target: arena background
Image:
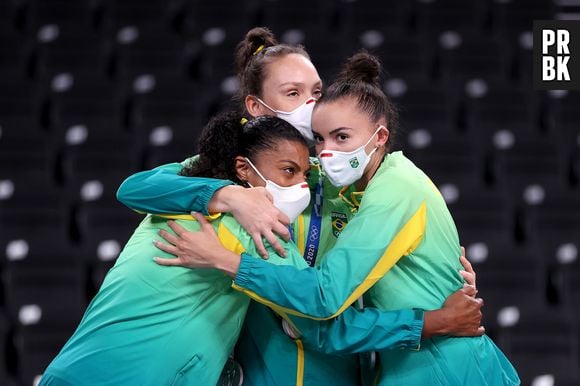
94 90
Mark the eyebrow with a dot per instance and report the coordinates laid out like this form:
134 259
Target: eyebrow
339 129
319 83
290 162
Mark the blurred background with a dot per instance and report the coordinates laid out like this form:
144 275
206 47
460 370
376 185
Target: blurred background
92 91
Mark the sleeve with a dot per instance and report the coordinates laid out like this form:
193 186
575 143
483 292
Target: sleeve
374 240
163 191
356 331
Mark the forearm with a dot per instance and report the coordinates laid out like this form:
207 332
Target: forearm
163 191
356 331
435 323
221 199
317 293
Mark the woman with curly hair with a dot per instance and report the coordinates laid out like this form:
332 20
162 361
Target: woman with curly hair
150 326
397 251
278 79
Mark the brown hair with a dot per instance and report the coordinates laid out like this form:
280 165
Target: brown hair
252 56
359 78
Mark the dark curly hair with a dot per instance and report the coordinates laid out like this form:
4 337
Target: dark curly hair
225 137
359 78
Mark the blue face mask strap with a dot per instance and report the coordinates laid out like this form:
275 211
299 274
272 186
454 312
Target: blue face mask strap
313 239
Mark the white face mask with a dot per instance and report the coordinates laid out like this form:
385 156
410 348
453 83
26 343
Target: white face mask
300 118
291 200
344 168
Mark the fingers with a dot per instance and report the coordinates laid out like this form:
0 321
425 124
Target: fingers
281 231
469 290
480 331
202 220
257 237
170 238
283 218
167 262
166 247
468 277
273 240
466 264
462 250
178 229
267 194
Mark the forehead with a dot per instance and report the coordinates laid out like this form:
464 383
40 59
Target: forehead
285 150
343 112
292 68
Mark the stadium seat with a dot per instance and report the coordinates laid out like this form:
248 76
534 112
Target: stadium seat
104 226
562 118
542 344
154 50
282 16
423 105
489 107
20 107
481 215
386 16
513 17
119 14
41 13
15 49
528 168
458 15
509 277
35 349
403 57
172 112
463 56
553 225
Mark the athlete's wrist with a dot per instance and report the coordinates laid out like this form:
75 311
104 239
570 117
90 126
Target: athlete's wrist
435 323
222 199
228 262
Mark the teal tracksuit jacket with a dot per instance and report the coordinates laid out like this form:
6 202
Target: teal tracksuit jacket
267 355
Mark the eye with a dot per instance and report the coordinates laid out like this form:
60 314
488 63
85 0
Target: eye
317 94
341 137
290 170
293 93
318 138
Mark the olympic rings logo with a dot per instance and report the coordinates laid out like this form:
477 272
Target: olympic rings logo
314 233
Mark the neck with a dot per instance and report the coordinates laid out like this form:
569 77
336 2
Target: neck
370 171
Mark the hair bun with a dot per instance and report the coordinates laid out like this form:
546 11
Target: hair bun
254 39
361 67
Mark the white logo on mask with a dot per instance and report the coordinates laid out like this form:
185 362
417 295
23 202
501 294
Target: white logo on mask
344 168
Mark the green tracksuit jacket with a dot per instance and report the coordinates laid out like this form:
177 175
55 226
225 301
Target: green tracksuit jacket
153 325
267 355
400 248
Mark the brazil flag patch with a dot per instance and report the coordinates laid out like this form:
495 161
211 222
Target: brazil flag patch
339 221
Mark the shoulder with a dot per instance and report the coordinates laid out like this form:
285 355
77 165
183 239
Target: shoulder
396 181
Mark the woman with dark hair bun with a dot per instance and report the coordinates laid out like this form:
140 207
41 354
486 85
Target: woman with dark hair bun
280 80
397 250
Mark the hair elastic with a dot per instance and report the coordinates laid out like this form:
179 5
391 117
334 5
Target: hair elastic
258 50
